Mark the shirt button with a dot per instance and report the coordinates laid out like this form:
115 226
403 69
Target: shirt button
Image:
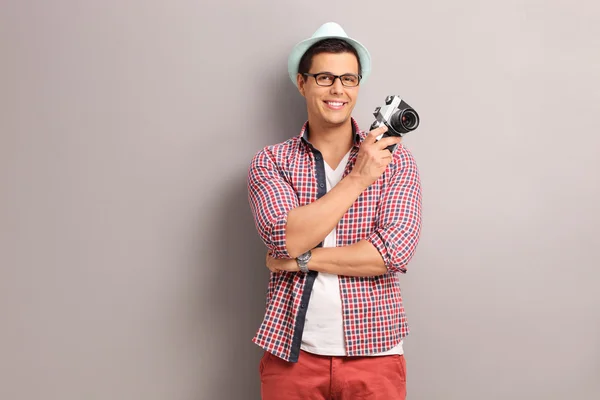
321 185
318 158
302 306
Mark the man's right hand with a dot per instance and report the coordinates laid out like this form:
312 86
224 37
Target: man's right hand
373 156
308 225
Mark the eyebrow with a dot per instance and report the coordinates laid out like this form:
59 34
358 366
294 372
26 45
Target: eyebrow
331 73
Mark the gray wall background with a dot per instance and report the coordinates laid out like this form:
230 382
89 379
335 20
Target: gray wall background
130 268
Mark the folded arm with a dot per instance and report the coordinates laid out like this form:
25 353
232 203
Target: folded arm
286 228
358 259
390 247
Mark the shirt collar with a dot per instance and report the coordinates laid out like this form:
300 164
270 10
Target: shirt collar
358 134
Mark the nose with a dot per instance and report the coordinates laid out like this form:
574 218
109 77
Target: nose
337 86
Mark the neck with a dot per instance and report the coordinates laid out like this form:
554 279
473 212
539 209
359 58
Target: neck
333 139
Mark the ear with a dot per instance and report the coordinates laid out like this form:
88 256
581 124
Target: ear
300 81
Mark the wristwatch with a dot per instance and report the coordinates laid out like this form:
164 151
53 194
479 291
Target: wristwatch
303 260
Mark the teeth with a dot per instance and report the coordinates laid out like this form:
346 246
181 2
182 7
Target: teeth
335 104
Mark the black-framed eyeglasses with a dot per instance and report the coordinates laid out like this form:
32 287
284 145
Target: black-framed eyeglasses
327 79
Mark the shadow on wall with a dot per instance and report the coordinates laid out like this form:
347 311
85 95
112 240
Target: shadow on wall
291 108
237 297
237 292
286 113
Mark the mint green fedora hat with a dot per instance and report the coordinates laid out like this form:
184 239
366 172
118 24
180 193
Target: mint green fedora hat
329 30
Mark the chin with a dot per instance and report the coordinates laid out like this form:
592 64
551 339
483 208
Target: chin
337 121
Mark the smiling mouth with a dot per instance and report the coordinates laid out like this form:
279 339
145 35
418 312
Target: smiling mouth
336 105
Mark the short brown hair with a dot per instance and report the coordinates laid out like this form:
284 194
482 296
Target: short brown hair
326 46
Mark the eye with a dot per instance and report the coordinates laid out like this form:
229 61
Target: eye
325 78
349 79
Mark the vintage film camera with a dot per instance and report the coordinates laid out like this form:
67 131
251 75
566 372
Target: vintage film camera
399 117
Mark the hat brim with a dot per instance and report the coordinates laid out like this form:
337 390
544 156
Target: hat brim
301 48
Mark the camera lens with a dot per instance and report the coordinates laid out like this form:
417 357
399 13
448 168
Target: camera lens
409 120
405 120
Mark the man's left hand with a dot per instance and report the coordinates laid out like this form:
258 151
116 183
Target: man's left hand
281 265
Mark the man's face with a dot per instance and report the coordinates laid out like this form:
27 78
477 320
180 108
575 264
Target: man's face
330 106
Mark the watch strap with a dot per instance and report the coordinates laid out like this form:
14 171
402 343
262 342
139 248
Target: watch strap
303 260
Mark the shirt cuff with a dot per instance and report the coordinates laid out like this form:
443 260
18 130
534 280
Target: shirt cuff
376 240
278 237
386 250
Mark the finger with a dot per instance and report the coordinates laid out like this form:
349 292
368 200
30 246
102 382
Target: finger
272 269
386 155
388 141
372 136
289 267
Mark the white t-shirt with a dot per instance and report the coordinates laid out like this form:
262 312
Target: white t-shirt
324 328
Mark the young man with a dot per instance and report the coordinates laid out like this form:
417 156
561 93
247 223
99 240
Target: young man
341 216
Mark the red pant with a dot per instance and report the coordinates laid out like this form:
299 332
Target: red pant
333 378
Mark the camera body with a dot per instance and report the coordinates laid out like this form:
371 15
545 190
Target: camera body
398 116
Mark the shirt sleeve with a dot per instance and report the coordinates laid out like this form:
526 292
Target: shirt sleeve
271 198
399 218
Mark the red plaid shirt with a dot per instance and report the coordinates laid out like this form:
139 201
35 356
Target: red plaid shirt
387 214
